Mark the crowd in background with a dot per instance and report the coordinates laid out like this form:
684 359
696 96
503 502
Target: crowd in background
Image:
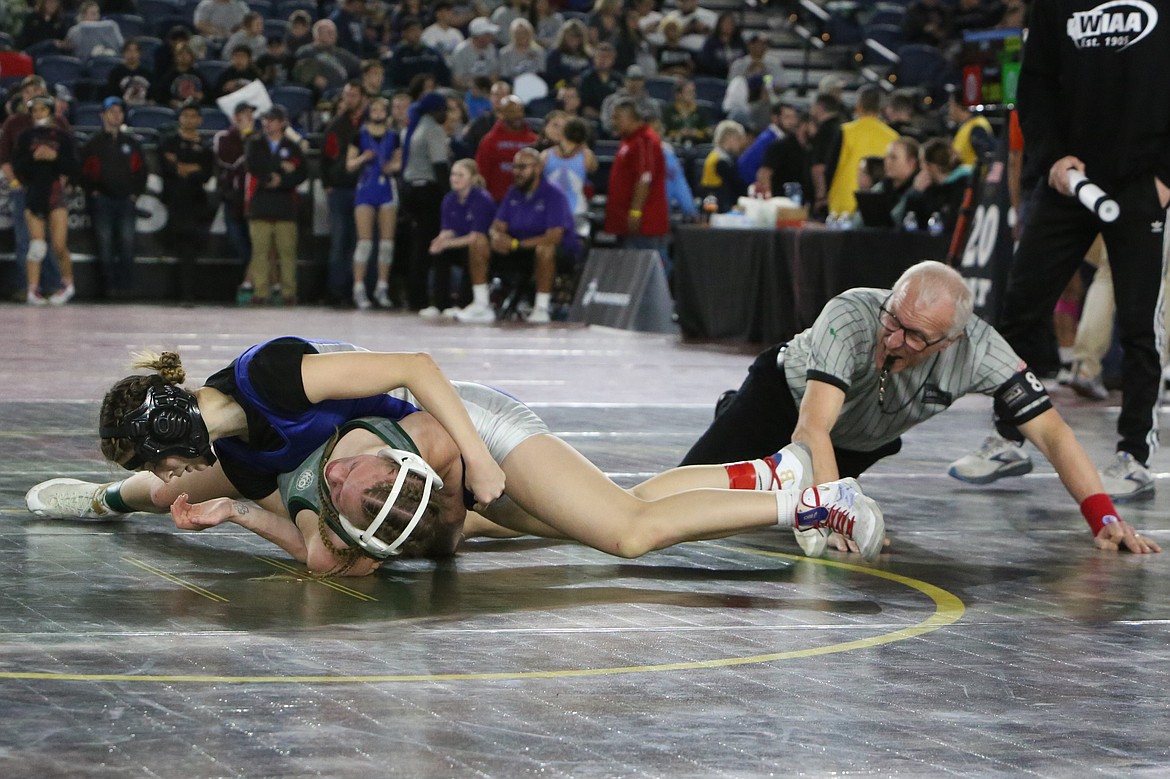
546 104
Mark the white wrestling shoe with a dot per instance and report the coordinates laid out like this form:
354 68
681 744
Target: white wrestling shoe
69 498
840 507
996 459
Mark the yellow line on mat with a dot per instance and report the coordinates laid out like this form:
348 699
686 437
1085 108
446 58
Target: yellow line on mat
195 588
327 582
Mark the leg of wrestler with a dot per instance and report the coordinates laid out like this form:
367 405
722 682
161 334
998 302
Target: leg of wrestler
59 237
146 492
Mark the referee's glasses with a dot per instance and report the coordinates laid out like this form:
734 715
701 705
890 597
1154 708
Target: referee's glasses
915 340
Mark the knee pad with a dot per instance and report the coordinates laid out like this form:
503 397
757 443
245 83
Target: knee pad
385 253
37 250
361 252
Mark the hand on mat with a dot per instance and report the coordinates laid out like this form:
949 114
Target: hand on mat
485 479
1119 534
200 516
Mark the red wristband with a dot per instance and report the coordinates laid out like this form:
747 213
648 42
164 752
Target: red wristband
1098 511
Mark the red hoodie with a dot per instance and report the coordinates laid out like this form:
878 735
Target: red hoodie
495 153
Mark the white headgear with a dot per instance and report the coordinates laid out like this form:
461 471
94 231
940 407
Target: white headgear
408 463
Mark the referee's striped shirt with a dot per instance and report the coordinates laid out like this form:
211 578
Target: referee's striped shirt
839 349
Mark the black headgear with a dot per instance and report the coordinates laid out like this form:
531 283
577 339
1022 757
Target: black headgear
167 423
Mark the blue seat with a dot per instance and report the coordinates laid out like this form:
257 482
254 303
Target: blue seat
131 25
604 148
59 69
156 9
541 106
87 115
42 48
709 88
285 8
661 88
600 177
275 27
842 30
887 35
161 25
298 101
214 119
98 68
210 71
922 65
887 15
262 7
149 46
152 117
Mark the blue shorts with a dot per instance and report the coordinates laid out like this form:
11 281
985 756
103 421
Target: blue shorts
376 194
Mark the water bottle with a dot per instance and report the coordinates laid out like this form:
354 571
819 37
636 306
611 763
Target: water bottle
794 192
934 225
910 223
710 207
845 221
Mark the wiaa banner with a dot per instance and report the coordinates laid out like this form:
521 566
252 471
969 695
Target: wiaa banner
988 253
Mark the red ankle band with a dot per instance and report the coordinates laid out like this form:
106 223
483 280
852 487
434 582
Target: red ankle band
741 476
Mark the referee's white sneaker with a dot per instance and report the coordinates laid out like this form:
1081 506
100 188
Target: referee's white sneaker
1127 479
996 459
476 314
840 506
67 498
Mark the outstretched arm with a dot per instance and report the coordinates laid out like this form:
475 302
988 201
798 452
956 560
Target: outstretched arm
343 375
274 527
818 413
1055 439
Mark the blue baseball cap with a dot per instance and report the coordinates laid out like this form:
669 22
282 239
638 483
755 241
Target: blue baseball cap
110 102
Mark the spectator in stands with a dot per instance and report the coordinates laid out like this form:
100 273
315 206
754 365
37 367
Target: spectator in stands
697 23
275 65
300 31
455 126
13 127
276 167
230 175
400 112
250 34
686 122
678 189
976 15
467 215
635 208
547 22
239 72
182 82
833 85
187 164
553 130
723 46
927 21
339 183
215 19
900 113
93 36
826 112
973 134
322 65
46 22
634 90
570 55
420 85
44 161
113 173
631 45
788 161
495 153
533 221
899 168
569 165
443 36
164 56
600 81
748 100
870 172
392 30
523 54
720 174
130 67
349 18
604 22
412 57
426 167
477 100
750 160
939 186
867 135
569 101
759 59
373 79
476 56
674 59
508 12
482 124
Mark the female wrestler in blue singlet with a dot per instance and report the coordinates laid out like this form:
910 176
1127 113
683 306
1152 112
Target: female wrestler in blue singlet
376 153
257 418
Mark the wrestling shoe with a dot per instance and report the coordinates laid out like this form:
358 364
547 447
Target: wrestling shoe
35 298
1127 479
360 298
382 296
840 507
476 315
63 295
996 459
61 498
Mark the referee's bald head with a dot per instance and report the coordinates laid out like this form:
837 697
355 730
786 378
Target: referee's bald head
930 283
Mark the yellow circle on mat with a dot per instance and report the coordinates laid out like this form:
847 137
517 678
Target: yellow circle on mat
948 609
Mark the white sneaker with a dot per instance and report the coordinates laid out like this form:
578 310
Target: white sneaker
1127 479
538 316
63 295
382 296
996 459
474 314
1088 388
840 507
35 298
450 313
69 498
430 312
360 298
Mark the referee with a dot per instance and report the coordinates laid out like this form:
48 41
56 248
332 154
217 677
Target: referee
876 363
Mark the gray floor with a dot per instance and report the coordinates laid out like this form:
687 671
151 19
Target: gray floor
991 639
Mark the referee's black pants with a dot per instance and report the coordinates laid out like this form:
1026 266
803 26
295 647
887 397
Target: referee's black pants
1058 233
758 421
423 203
